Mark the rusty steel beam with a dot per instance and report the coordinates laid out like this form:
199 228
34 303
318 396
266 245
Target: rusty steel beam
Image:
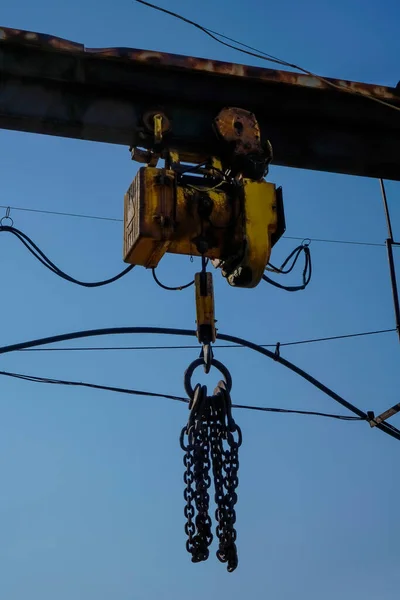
53 86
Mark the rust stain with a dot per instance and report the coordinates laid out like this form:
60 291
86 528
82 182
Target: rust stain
200 65
38 39
239 127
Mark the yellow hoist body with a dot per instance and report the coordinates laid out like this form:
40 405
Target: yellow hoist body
221 209
232 224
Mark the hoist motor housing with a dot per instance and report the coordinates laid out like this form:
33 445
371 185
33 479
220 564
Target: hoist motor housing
235 224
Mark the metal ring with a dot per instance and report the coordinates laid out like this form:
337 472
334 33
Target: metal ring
199 362
6 218
306 242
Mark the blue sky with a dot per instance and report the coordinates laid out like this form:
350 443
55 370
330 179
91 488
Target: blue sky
91 504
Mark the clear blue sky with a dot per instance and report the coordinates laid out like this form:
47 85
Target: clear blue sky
91 505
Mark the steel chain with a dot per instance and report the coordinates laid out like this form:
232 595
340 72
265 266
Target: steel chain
211 444
197 479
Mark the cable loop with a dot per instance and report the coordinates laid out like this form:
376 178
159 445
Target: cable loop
7 218
284 269
168 288
46 262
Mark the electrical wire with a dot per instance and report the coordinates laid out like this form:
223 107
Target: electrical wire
215 35
119 390
206 189
46 262
167 287
295 254
35 379
216 346
389 430
307 271
61 214
355 243
99 218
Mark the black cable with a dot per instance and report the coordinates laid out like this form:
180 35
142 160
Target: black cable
216 346
307 271
212 34
392 431
35 379
295 254
339 337
168 288
264 56
46 262
297 412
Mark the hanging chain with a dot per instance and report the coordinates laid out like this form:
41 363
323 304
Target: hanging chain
197 479
210 443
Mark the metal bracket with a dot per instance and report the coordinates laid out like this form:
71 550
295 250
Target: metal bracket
145 157
374 421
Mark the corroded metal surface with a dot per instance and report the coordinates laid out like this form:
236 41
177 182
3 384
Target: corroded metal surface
53 86
196 64
38 39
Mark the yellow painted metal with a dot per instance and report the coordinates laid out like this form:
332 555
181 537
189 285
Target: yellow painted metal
149 208
260 222
205 310
189 224
229 223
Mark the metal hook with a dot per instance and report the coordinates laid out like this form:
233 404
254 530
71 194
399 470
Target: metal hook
196 405
207 355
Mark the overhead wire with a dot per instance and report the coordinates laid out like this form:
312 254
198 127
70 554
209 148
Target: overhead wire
355 243
216 346
120 390
61 214
215 35
391 431
112 219
46 262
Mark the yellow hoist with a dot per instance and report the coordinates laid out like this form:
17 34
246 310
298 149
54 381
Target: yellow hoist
216 207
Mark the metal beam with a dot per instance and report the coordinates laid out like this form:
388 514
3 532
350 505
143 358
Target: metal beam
56 87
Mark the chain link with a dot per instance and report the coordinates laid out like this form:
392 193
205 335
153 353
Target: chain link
211 445
197 479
